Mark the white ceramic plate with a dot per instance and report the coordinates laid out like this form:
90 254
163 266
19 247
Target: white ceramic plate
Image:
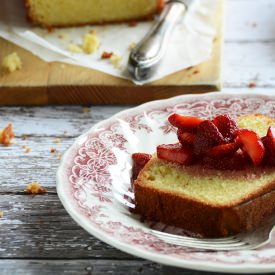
94 176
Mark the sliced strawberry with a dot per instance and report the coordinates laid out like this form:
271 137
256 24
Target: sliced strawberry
234 162
139 161
271 133
269 144
252 144
208 135
227 126
185 123
175 153
223 150
185 138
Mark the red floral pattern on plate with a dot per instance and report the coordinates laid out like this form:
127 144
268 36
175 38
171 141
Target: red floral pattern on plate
90 177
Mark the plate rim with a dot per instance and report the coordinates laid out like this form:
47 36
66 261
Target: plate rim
140 252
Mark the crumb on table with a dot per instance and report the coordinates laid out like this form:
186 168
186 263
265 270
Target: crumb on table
1 214
132 24
63 36
57 140
35 188
106 55
252 84
115 60
90 43
28 149
75 48
53 150
12 62
51 29
6 135
24 137
131 46
85 110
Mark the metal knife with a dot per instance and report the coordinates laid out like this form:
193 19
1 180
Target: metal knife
146 56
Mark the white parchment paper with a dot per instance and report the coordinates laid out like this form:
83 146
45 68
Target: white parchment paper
190 43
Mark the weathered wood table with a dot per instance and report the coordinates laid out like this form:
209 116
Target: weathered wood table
37 236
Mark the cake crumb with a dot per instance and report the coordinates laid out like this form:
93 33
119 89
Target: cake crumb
92 31
57 140
28 149
63 36
6 135
196 72
24 137
23 146
189 68
252 84
1 214
12 62
75 48
85 110
106 55
59 156
131 46
90 43
132 24
35 188
53 150
51 29
115 60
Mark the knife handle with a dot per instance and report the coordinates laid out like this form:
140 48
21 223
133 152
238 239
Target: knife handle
145 57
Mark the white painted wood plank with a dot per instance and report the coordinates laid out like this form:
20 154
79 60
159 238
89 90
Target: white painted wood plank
246 62
250 20
38 227
90 267
54 121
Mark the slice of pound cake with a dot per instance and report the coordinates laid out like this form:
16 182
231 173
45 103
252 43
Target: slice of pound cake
218 181
60 13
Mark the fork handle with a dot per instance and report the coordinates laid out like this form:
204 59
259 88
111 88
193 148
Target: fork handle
145 57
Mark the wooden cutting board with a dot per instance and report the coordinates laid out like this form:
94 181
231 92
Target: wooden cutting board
41 83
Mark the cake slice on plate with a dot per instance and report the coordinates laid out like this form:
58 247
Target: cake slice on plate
219 181
60 13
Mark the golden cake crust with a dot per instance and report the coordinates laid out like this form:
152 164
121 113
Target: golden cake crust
204 218
33 19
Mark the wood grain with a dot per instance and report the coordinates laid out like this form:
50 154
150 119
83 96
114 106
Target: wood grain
40 83
37 235
91 267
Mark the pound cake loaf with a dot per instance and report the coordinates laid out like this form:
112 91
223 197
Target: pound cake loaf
213 200
60 13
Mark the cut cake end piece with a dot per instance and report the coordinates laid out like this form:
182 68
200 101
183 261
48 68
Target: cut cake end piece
59 13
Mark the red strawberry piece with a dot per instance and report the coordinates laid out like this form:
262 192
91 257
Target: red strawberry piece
223 150
252 144
185 138
227 126
139 161
208 135
235 162
186 123
269 144
175 153
271 133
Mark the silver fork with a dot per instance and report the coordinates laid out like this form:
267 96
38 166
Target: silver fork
243 241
